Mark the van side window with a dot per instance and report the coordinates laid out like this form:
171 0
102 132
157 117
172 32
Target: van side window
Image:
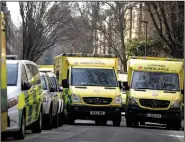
23 74
29 71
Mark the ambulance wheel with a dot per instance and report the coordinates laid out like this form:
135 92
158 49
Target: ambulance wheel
56 120
129 122
117 120
20 135
177 125
37 126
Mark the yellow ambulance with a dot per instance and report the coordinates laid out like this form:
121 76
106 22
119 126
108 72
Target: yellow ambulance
155 91
91 89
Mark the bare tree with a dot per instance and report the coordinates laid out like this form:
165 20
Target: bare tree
41 25
168 19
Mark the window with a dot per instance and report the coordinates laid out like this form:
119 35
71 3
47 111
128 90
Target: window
54 83
155 81
12 74
43 82
23 74
93 77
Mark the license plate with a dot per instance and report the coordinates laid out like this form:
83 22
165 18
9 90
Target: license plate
153 115
97 113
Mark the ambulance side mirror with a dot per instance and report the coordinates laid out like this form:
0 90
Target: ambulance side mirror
65 83
60 89
26 85
125 85
182 91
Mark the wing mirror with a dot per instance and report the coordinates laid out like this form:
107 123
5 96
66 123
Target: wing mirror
65 83
60 89
52 89
125 86
182 91
26 85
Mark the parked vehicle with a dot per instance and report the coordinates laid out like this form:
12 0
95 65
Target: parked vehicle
50 103
25 98
57 92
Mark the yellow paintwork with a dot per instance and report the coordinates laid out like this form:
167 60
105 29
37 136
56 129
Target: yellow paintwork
46 68
4 110
92 62
123 78
153 64
63 63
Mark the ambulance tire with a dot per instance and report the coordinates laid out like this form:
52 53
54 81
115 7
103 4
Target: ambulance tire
56 120
70 117
37 126
129 122
117 120
20 135
49 124
177 125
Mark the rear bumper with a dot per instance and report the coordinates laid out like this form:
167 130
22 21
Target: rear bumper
140 114
83 112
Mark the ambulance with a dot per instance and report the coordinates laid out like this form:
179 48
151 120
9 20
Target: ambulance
155 91
90 87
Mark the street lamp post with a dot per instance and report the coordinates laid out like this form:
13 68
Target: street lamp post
146 25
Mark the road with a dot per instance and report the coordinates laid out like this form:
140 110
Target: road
87 131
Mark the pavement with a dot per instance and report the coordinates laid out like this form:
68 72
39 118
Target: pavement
87 131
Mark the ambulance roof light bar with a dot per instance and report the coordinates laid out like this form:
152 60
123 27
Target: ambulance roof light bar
88 55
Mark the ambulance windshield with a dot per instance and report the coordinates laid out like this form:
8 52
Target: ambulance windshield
94 77
155 81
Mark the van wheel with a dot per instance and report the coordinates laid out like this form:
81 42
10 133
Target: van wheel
60 118
20 135
55 120
117 120
49 125
37 126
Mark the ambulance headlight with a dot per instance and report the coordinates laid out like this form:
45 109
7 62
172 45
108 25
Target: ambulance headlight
118 99
132 101
12 102
75 98
176 104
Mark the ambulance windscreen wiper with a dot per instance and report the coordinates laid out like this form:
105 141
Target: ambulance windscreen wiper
141 89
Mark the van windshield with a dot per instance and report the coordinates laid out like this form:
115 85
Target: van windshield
93 77
155 81
12 73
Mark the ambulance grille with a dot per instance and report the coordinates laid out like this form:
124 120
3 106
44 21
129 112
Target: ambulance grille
154 103
97 100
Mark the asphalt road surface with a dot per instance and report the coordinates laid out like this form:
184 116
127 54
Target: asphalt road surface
87 131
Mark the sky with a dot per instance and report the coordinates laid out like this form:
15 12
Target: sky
14 11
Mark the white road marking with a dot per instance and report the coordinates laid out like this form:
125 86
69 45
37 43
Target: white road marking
177 136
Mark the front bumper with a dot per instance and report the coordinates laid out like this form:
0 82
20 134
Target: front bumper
13 119
140 114
83 111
